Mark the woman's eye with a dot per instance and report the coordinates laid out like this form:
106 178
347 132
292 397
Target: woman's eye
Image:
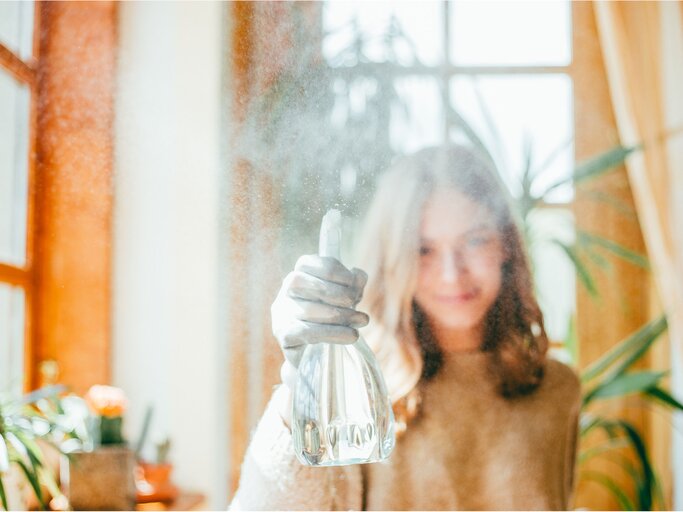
478 241
424 251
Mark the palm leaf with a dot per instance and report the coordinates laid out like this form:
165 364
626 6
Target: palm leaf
594 255
45 476
615 203
469 132
659 492
639 352
636 343
4 456
624 384
33 480
646 479
3 496
624 501
32 449
17 445
582 272
612 443
527 201
554 154
648 473
658 394
47 391
488 121
595 166
640 486
615 248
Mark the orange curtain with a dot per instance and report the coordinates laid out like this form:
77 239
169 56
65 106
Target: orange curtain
643 52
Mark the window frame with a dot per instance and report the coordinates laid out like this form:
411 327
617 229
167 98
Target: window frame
25 71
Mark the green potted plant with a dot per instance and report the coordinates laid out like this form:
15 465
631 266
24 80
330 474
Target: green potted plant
30 427
153 475
101 475
612 377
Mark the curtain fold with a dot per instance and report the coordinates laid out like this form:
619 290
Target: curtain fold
642 48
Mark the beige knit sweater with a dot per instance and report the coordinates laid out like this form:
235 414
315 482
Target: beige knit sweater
470 449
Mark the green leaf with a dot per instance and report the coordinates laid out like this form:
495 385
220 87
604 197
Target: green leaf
33 480
3 496
596 257
571 341
615 248
554 154
646 482
635 343
659 492
45 476
33 450
663 396
4 456
581 270
527 201
17 445
497 140
471 134
587 422
604 447
648 472
624 384
615 203
45 392
632 358
624 501
596 166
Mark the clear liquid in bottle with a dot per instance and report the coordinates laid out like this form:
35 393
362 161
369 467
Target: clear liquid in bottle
341 409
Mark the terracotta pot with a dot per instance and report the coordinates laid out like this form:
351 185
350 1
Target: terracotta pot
153 483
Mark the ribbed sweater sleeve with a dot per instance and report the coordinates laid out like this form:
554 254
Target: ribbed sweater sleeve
273 479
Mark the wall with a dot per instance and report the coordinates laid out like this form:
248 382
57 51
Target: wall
168 322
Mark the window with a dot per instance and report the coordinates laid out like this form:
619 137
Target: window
17 94
481 61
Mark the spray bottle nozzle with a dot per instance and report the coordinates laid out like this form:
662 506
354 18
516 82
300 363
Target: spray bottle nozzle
330 235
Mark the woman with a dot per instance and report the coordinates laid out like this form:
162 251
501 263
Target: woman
486 421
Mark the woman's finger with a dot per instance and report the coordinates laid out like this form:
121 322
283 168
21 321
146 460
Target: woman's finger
320 313
325 268
301 333
305 286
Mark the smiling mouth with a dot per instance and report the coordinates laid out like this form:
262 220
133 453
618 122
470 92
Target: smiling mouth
459 298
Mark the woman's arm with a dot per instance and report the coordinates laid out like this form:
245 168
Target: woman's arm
273 479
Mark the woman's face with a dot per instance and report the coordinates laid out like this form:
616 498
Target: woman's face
461 254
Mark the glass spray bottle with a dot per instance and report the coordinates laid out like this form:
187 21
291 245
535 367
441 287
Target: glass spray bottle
341 412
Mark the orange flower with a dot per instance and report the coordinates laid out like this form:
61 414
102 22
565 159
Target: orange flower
107 401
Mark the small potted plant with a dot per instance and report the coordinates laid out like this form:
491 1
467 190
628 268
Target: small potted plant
154 477
102 475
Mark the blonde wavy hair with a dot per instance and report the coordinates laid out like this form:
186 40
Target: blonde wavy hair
388 252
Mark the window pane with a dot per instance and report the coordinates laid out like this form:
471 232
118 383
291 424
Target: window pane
554 274
14 121
510 33
11 339
533 108
16 27
420 22
418 122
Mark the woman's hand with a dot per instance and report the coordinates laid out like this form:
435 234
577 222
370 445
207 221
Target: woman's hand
316 304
